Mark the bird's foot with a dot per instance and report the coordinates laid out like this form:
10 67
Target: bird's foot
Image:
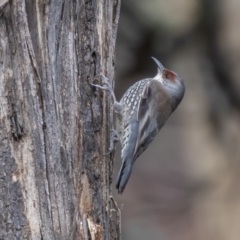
113 140
107 86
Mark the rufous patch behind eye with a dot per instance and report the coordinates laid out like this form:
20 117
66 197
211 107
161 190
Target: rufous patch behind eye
169 75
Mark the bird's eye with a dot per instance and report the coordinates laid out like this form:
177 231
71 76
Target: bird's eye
169 75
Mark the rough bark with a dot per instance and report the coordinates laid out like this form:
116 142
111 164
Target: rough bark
54 126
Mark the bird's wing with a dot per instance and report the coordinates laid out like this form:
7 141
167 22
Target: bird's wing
147 117
138 133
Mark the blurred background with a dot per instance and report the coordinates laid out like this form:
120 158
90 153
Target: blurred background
186 184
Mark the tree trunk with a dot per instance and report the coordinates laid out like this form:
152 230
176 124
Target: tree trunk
54 126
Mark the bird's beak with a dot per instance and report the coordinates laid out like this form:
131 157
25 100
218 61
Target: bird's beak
160 66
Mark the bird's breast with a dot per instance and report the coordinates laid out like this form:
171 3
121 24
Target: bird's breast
161 104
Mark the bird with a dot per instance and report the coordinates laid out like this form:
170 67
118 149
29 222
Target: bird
141 113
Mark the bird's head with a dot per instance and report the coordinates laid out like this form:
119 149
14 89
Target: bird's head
170 80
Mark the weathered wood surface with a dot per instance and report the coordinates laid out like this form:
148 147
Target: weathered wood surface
54 127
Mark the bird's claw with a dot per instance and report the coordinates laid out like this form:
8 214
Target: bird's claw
104 87
113 140
106 80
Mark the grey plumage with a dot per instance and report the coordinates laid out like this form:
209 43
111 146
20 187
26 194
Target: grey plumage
146 107
141 113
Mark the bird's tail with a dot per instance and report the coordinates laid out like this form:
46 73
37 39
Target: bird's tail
128 158
123 175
